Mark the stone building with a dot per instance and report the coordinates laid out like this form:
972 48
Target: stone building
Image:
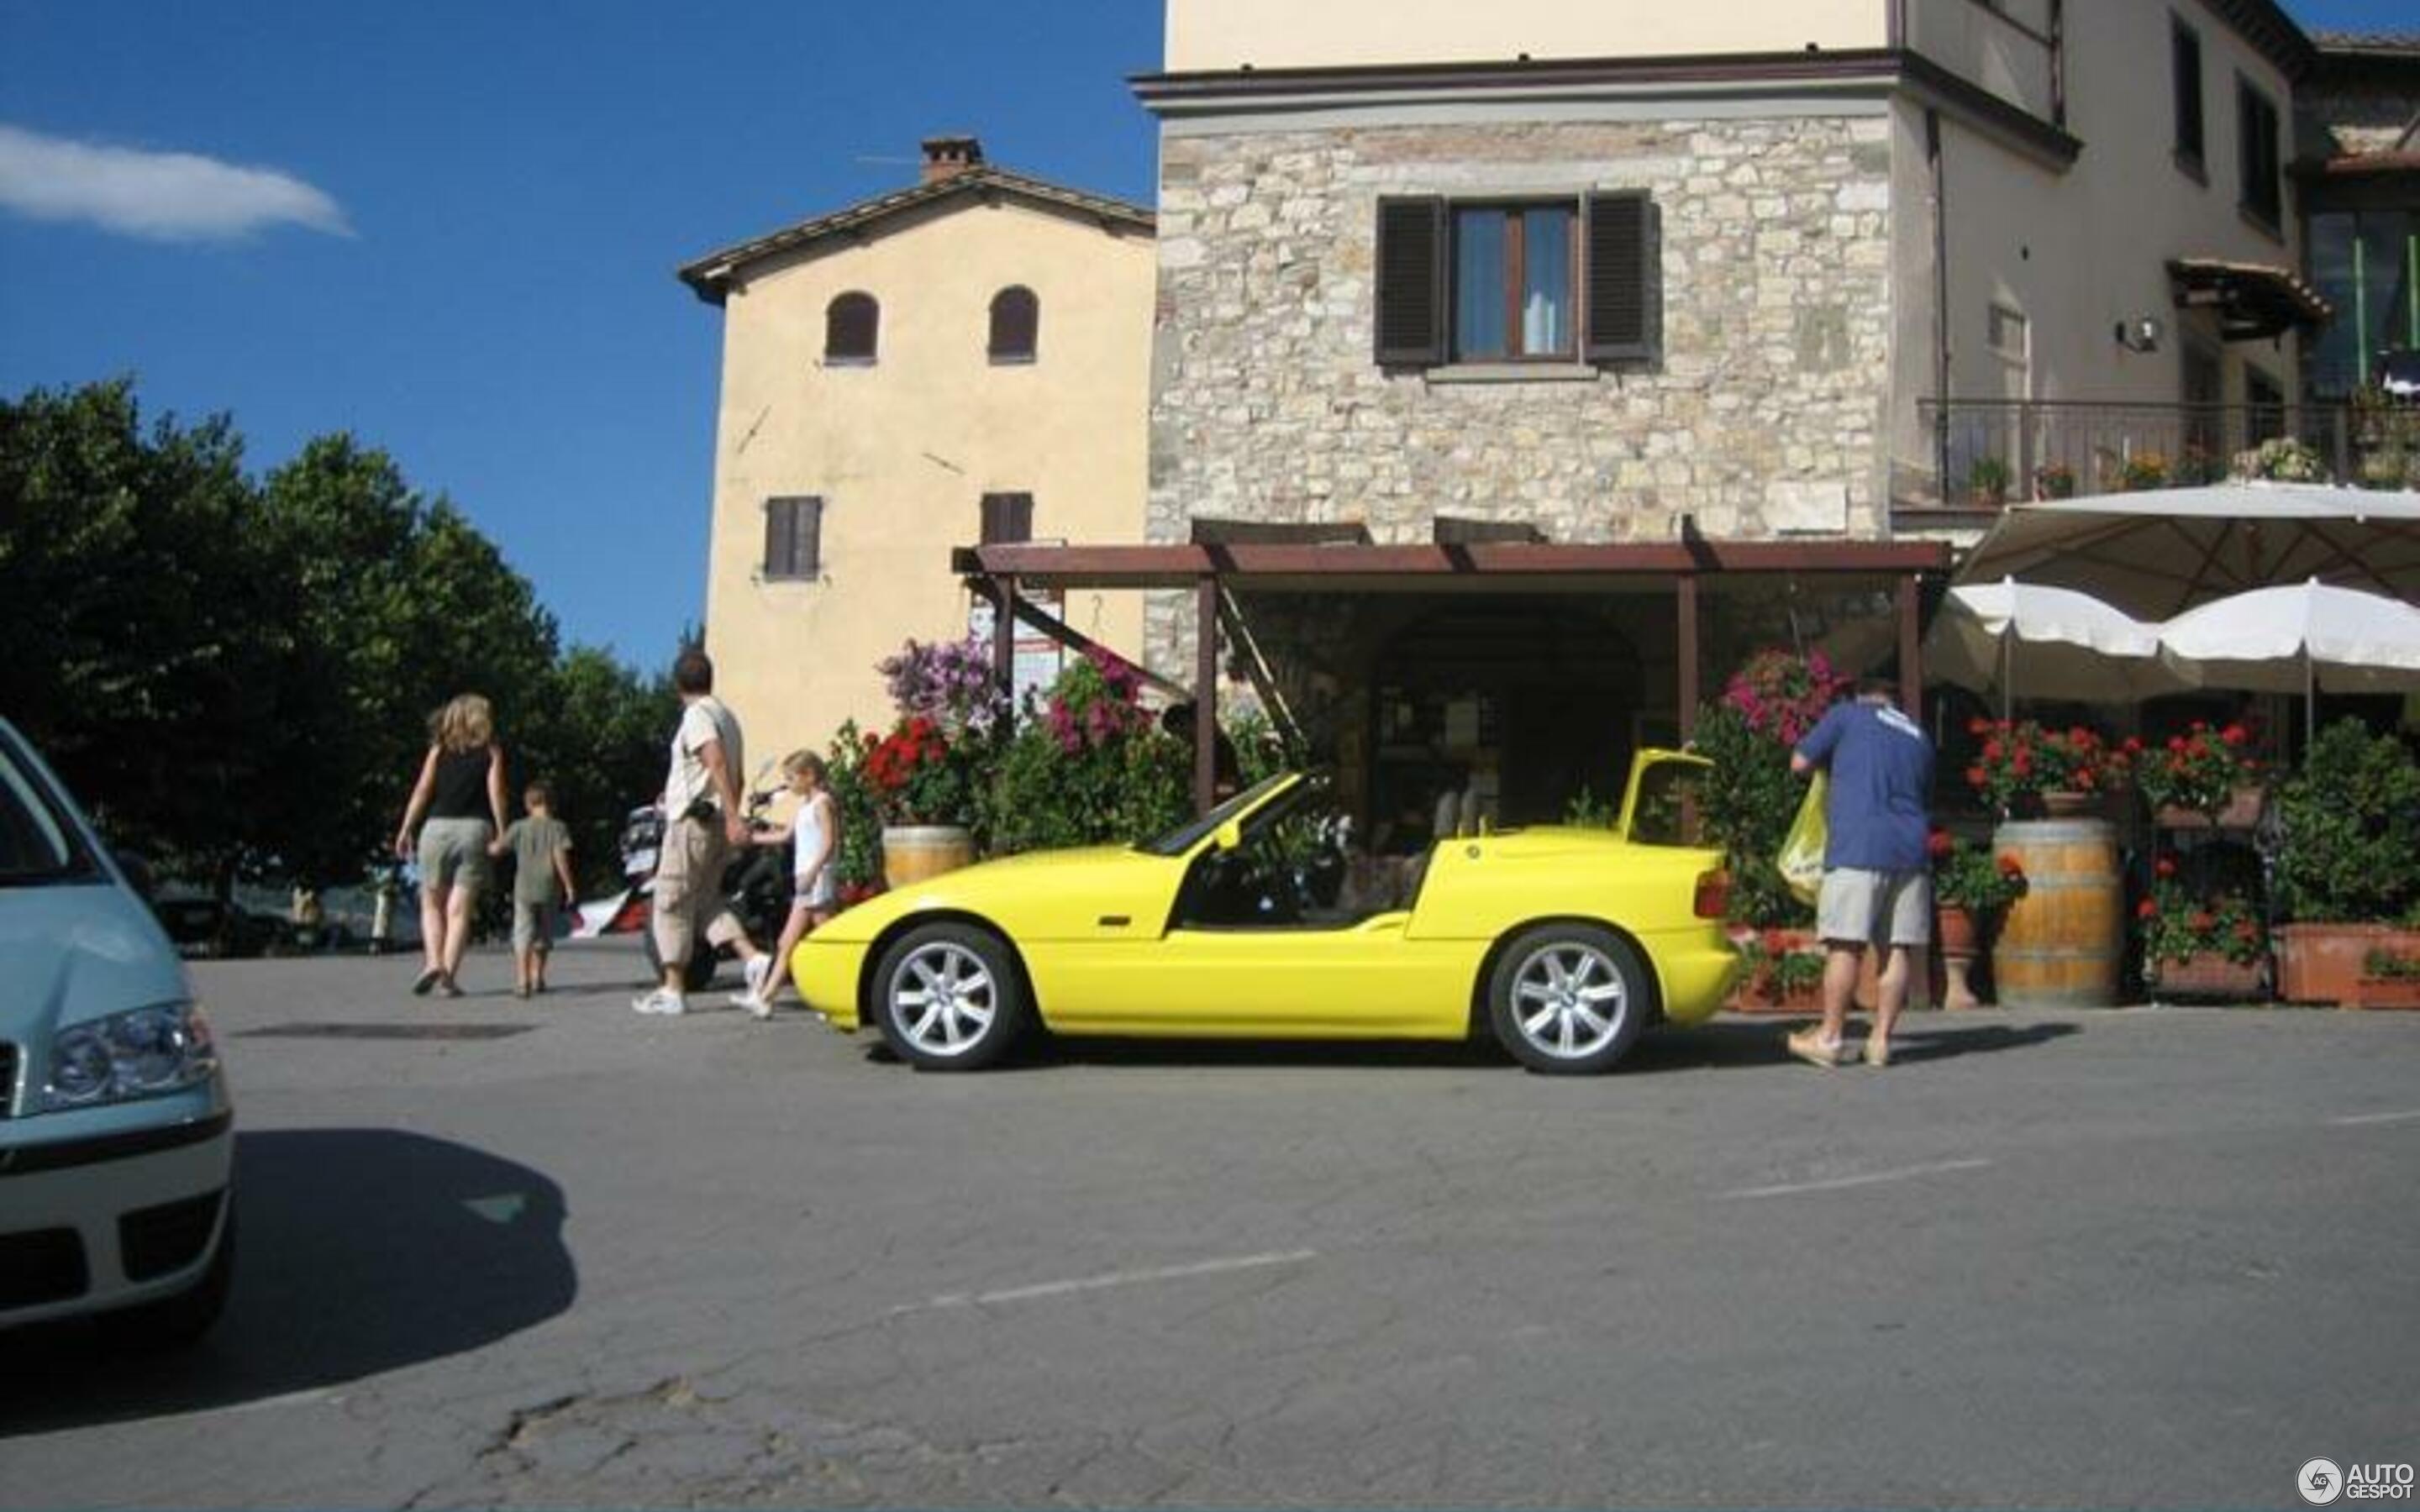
1517 369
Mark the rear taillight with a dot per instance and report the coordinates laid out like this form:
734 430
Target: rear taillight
1713 894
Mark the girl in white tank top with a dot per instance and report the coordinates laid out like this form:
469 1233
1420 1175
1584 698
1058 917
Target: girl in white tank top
815 892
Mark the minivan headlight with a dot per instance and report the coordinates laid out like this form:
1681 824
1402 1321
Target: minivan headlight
143 1053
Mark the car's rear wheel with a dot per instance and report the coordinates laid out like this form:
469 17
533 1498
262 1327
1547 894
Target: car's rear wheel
1569 998
948 997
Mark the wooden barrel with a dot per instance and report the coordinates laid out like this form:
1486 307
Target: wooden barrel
2061 945
912 853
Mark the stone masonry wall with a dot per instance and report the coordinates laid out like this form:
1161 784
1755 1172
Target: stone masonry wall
1761 415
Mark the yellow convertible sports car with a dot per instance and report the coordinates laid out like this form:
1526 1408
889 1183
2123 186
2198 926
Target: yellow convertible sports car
1248 922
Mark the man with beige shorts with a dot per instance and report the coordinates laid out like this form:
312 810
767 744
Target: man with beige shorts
703 821
1877 888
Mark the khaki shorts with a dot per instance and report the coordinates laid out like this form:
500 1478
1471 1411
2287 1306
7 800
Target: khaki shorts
454 853
1877 908
689 890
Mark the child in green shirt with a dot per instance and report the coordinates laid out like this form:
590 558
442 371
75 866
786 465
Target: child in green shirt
541 848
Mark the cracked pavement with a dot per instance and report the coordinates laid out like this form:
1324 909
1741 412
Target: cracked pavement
2128 1258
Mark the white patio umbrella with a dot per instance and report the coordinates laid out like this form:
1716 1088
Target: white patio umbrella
2298 638
2056 643
2157 553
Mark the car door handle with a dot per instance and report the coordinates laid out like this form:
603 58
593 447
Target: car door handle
1116 921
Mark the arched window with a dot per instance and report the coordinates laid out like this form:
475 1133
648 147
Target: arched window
1015 315
850 325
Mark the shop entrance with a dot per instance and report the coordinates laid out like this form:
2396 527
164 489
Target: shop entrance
1518 704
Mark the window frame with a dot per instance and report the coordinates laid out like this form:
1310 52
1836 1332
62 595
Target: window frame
999 355
1515 211
2189 130
2260 161
802 561
847 302
1614 287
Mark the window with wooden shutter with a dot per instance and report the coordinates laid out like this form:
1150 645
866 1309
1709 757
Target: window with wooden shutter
2184 64
852 325
1621 277
794 529
1411 282
1007 517
2255 121
1015 321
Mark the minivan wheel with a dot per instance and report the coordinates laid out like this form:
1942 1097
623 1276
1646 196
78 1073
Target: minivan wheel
1569 999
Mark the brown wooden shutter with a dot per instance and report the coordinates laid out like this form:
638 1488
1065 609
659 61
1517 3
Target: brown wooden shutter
1007 517
1016 318
781 537
1621 277
852 326
1411 282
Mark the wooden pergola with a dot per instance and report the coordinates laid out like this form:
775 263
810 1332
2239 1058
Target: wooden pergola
1003 572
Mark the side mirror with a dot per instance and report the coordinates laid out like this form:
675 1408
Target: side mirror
1230 836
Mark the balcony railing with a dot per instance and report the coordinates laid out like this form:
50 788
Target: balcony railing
1985 453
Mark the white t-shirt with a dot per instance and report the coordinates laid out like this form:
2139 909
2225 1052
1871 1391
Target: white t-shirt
703 719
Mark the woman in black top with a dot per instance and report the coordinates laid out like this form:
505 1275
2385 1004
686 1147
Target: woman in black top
462 796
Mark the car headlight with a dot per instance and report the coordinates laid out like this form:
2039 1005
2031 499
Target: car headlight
143 1053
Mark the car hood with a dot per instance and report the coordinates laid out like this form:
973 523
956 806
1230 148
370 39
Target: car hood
74 952
1031 887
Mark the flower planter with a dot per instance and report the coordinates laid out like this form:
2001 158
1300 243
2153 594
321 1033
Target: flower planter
2208 973
913 852
1958 938
2386 991
2242 812
2323 963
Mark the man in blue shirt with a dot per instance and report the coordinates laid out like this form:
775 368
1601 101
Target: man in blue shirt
1877 875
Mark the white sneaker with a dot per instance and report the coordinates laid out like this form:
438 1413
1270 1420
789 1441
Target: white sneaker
757 1008
661 1001
756 971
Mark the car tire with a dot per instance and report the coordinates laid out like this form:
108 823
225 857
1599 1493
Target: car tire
180 1321
695 977
980 1011
1569 999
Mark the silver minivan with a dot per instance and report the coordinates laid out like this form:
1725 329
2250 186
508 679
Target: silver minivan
116 1131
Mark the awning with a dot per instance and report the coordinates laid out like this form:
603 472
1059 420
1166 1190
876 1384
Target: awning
2254 300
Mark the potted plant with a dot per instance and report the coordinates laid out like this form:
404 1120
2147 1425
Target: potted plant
1089 764
2022 767
1749 798
1988 481
2062 950
1971 886
2054 480
2196 942
2389 978
858 867
1781 970
2348 861
2204 778
2144 470
2281 459
925 773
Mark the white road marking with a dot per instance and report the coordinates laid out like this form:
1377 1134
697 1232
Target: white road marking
2359 1119
1114 1278
1843 1182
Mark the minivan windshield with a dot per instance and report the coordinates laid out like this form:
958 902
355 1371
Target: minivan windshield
38 844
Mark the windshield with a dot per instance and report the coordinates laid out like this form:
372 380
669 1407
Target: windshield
1188 835
38 844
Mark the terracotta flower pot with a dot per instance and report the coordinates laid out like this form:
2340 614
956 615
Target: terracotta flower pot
2208 973
2323 962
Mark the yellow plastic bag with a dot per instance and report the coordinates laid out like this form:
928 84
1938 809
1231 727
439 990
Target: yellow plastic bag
1801 861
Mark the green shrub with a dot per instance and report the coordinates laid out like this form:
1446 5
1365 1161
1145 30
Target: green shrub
2350 829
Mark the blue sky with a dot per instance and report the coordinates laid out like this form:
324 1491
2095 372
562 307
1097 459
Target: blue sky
451 227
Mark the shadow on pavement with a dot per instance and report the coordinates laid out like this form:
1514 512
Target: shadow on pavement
1740 1043
362 1250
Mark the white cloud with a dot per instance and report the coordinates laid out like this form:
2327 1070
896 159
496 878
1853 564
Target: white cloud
165 196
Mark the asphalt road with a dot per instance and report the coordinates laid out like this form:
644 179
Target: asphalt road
556 1253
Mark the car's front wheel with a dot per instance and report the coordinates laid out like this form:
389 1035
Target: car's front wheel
1569 998
947 997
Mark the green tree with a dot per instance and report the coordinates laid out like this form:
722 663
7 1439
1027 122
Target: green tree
145 620
596 736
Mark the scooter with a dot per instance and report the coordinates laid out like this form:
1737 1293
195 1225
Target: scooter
756 885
